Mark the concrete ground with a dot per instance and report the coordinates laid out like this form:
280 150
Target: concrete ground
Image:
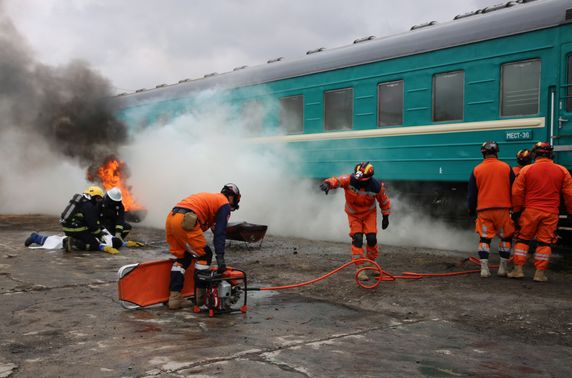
60 316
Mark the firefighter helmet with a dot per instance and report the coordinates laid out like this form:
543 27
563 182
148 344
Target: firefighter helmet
524 157
542 149
115 194
231 189
490 148
363 171
94 191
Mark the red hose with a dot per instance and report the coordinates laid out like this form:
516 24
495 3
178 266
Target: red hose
383 276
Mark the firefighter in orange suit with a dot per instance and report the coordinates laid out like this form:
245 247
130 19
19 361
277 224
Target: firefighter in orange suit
489 199
184 231
523 158
536 201
362 190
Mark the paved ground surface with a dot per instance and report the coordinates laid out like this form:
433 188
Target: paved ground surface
60 317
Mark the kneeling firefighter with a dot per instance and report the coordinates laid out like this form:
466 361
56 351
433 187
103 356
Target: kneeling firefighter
362 190
184 228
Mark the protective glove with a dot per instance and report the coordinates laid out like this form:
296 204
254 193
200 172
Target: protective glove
385 222
516 216
134 244
325 187
108 249
221 264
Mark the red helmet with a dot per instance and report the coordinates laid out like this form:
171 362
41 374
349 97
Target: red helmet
363 171
543 149
490 148
232 190
524 157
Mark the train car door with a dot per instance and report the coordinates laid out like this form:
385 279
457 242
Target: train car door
562 113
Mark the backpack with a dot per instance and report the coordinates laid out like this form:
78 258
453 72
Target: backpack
71 208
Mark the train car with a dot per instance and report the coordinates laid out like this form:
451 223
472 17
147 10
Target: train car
416 104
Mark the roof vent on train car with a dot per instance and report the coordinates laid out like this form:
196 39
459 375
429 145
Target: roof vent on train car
139 90
184 81
275 60
424 25
495 7
210 74
524 1
315 50
122 94
239 68
364 39
468 14
160 85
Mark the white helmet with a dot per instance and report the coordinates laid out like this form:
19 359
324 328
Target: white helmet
115 194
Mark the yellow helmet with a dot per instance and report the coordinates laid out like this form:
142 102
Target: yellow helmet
94 191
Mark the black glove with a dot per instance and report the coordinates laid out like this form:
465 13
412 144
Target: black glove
516 216
325 187
385 222
221 264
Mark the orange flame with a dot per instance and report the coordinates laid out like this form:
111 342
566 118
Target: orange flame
111 175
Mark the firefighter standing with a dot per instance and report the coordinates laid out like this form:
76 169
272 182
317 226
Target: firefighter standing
523 158
536 202
361 191
184 232
489 198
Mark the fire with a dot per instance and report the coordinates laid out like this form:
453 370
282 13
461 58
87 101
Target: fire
113 173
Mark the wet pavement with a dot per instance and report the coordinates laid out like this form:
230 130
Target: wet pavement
61 317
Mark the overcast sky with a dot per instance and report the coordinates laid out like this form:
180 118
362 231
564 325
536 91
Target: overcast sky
143 43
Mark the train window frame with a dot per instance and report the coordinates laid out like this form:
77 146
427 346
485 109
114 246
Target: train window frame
568 90
434 96
502 112
300 114
380 107
351 115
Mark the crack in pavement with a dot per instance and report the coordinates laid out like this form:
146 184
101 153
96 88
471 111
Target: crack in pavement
258 354
46 288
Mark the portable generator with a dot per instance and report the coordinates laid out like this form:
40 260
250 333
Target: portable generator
220 292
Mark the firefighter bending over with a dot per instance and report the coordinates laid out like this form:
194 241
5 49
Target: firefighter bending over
362 190
489 199
81 225
523 158
536 201
112 217
184 232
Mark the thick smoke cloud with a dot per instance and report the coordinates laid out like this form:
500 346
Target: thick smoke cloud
65 106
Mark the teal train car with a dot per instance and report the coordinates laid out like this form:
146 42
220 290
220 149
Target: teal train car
416 104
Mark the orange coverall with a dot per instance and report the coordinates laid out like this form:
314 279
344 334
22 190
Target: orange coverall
537 190
360 208
490 197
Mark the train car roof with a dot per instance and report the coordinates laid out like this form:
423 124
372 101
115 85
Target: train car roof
488 23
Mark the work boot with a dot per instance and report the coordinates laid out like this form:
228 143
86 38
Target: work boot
31 239
485 272
502 267
539 276
362 276
176 301
516 272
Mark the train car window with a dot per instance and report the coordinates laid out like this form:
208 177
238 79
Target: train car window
520 88
390 103
569 82
292 114
448 96
338 107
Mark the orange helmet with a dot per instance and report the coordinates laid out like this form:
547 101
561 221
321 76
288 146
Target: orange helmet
363 171
524 157
543 149
490 148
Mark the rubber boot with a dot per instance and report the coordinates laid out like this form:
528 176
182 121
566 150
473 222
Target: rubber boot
502 267
362 276
539 276
516 272
485 272
176 301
